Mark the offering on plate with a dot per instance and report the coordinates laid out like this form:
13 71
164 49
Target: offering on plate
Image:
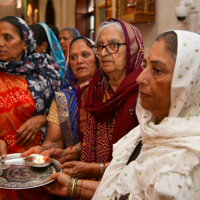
36 160
17 172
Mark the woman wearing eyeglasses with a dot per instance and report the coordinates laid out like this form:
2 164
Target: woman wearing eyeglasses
109 102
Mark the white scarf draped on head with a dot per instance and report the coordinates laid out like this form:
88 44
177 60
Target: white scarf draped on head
171 148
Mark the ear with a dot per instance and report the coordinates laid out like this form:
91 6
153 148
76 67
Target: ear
44 46
24 46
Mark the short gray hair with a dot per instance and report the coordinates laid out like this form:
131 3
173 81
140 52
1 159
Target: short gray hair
106 24
72 31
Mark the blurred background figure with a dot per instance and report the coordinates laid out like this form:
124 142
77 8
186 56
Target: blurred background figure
65 37
55 30
48 43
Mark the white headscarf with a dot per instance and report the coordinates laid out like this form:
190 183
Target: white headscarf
171 146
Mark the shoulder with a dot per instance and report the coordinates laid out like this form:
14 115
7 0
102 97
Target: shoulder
128 142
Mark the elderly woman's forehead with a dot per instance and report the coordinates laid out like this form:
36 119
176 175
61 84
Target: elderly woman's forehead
112 39
107 37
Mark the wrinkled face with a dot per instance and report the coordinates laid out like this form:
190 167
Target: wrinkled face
114 65
64 40
82 61
155 81
11 45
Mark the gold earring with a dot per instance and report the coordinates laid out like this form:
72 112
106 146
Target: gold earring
25 48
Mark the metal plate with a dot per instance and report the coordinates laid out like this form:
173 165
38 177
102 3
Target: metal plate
16 174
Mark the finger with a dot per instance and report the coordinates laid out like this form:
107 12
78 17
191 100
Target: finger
3 149
31 151
47 153
27 153
66 165
68 172
26 140
21 130
30 140
53 177
22 137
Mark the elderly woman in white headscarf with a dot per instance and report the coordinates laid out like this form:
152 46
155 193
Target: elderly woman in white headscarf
168 110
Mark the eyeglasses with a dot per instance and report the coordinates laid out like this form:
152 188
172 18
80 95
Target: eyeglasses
111 48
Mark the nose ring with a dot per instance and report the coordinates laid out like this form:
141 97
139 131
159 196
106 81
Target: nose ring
144 80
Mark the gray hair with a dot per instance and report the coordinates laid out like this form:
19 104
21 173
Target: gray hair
72 31
171 44
106 24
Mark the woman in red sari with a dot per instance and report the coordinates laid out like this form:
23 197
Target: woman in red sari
27 83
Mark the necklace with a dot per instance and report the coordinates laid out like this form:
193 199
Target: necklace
106 94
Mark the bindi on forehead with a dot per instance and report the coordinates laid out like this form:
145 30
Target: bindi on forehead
148 57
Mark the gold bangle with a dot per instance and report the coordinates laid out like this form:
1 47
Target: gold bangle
74 192
77 152
73 188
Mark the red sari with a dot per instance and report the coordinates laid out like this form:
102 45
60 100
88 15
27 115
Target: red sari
17 106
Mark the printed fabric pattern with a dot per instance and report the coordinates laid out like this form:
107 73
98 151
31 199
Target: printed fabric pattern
41 71
168 163
109 121
56 52
66 101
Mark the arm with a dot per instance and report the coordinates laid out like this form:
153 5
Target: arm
88 188
84 189
53 139
54 135
60 154
55 144
83 170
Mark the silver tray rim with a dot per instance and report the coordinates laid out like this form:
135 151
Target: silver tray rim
54 162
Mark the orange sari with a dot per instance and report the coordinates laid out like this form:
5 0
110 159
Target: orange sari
17 106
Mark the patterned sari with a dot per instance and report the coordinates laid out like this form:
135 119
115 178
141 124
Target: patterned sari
22 99
108 121
17 106
66 101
